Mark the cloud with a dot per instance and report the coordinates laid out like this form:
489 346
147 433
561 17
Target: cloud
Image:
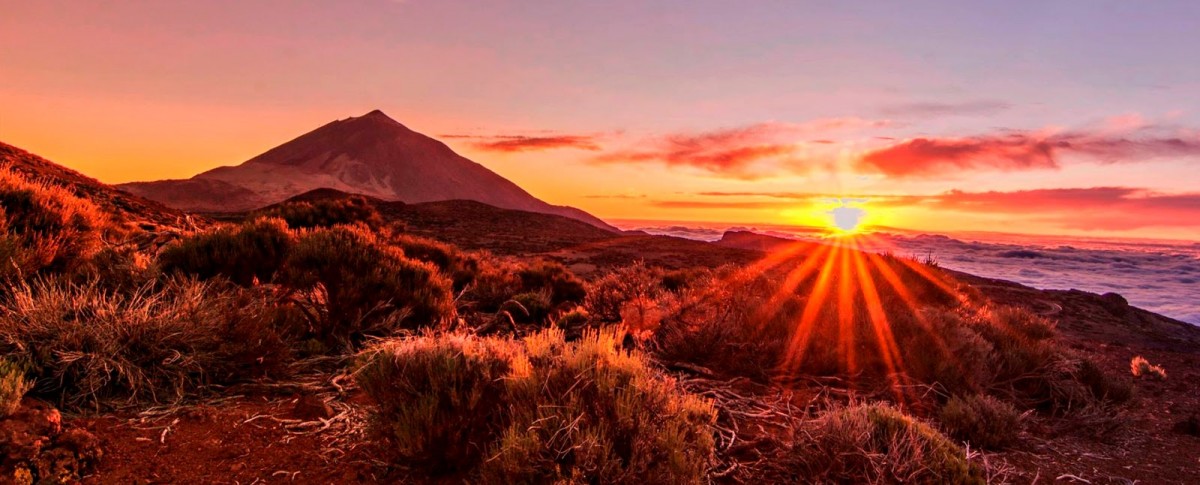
523 143
936 109
921 157
1095 208
742 152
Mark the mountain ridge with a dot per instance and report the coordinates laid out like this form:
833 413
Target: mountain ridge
371 155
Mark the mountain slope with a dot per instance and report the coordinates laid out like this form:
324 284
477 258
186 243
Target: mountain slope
125 207
372 155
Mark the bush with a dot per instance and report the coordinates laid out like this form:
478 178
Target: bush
981 420
461 269
13 387
325 213
360 287
439 398
609 294
1139 366
540 410
44 228
86 346
1023 322
494 283
555 278
244 254
875 443
536 307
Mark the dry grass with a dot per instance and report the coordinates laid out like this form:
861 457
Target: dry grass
875 443
1140 367
981 420
88 347
44 228
538 410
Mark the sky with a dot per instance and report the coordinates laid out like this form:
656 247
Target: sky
1047 117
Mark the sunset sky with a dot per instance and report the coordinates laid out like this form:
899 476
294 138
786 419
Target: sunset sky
1046 117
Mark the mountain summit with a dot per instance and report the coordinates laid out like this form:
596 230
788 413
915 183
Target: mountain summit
372 154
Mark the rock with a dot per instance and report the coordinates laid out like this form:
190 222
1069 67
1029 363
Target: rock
311 408
34 447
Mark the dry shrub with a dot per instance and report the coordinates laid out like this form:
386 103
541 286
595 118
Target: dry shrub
533 307
44 228
357 286
983 421
539 410
1139 366
245 254
325 213
1024 322
86 345
875 443
13 386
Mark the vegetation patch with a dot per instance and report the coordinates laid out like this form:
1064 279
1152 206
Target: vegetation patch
538 410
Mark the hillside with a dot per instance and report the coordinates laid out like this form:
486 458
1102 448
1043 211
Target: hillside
126 208
371 154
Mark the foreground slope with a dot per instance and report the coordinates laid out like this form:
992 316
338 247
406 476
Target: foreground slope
371 154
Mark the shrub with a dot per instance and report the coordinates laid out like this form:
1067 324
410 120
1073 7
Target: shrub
1024 322
244 254
540 410
460 268
44 228
981 420
13 387
494 283
1139 366
325 213
439 398
611 293
536 307
86 345
360 287
563 285
875 443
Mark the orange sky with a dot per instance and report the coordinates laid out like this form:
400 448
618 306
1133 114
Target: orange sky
722 112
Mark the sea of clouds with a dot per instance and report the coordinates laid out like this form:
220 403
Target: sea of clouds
1163 277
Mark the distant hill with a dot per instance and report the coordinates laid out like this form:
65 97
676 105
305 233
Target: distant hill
124 207
372 155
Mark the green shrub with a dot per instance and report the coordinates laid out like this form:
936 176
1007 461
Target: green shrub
982 420
86 345
360 287
540 410
244 254
325 213
44 228
875 443
13 387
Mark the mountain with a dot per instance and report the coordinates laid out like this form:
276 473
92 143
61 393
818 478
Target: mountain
371 155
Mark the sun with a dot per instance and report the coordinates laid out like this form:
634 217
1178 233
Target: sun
847 219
